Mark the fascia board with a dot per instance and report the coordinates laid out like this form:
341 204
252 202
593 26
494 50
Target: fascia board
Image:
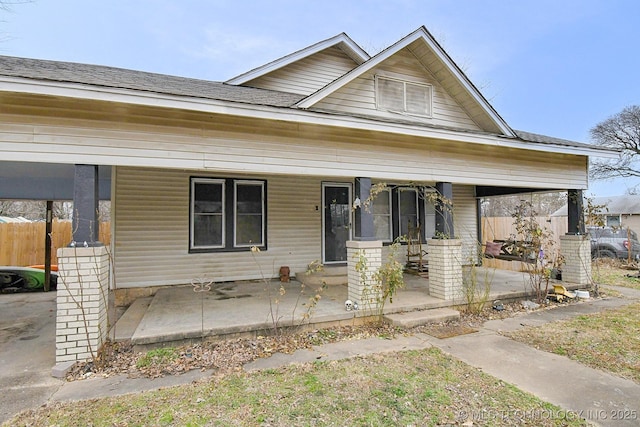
423 34
357 54
152 99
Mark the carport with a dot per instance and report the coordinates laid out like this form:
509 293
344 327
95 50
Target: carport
85 185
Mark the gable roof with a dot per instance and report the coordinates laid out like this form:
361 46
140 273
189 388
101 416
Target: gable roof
447 72
342 41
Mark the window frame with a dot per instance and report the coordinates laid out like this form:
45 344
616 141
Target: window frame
388 215
192 213
262 184
425 214
427 86
229 211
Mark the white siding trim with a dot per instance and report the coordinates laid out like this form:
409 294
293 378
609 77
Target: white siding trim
260 112
342 40
465 221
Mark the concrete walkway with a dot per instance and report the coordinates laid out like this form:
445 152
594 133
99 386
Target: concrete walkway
592 394
598 397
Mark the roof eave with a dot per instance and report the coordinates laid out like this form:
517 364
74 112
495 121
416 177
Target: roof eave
160 100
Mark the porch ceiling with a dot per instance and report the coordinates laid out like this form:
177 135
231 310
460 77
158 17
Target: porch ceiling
44 181
489 191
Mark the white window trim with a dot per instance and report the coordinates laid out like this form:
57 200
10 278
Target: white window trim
235 212
426 231
195 181
389 215
404 82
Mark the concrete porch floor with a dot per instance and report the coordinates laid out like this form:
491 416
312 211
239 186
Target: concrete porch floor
179 314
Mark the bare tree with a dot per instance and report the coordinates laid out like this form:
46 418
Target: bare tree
544 203
620 132
35 210
6 7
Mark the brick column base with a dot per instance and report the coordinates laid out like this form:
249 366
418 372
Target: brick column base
576 250
362 288
82 297
445 268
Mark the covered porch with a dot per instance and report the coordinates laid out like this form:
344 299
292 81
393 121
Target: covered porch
180 314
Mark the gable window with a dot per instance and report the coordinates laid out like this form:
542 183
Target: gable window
226 214
403 97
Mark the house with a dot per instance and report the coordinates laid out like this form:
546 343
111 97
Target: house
617 211
199 172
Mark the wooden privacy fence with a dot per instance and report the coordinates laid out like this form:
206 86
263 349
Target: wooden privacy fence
23 243
502 227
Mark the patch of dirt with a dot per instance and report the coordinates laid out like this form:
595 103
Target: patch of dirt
222 356
231 355
449 331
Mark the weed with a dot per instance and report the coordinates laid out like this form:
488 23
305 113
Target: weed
159 356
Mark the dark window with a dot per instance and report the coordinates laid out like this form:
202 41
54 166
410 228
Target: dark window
407 210
396 209
249 224
227 214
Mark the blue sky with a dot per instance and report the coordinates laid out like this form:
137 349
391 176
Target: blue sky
555 67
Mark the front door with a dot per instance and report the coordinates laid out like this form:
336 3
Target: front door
336 222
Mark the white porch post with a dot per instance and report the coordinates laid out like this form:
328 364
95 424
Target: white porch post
362 289
576 249
82 296
445 268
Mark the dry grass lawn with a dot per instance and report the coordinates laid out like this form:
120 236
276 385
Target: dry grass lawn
614 273
609 341
425 388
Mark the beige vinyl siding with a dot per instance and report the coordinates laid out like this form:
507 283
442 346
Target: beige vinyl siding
224 144
452 87
359 97
465 221
152 222
307 75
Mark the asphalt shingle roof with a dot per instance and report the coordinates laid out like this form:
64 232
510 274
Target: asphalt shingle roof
98 75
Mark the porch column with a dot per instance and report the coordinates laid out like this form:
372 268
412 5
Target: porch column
364 216
85 205
444 215
445 268
364 259
575 246
575 214
82 295
576 249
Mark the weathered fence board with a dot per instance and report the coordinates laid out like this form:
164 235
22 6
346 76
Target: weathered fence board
23 243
